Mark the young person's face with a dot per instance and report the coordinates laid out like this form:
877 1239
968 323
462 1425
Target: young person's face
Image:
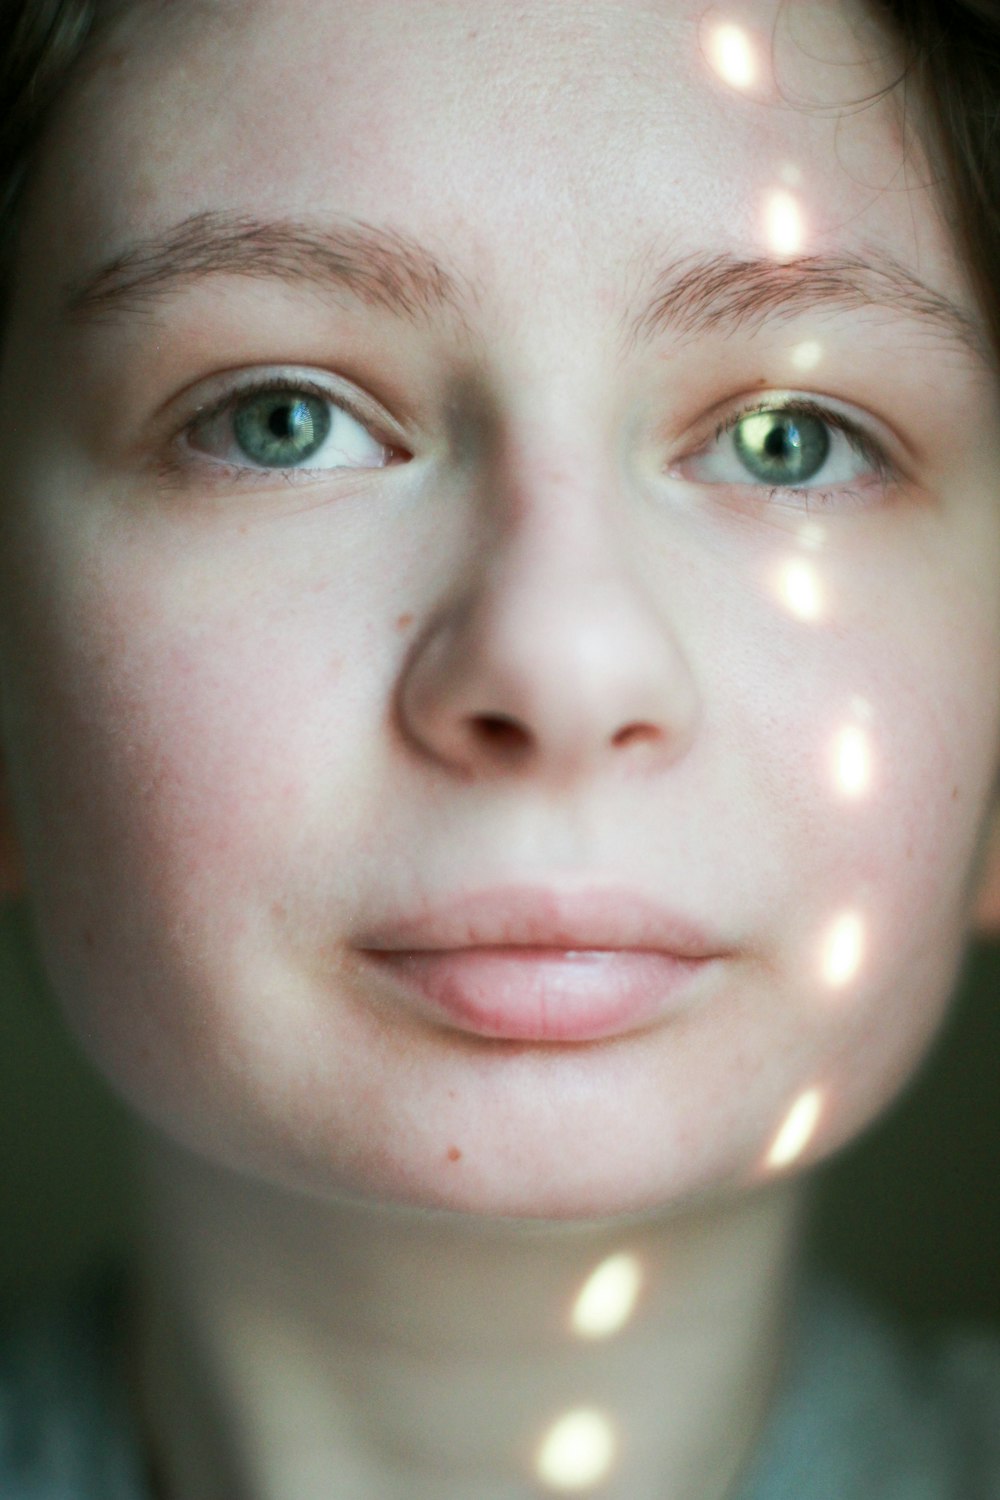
544 612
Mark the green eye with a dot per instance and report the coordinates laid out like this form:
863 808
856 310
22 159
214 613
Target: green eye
280 429
782 447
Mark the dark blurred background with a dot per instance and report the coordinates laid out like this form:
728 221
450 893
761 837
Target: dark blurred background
911 1212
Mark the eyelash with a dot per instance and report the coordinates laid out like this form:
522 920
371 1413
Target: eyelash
269 385
860 440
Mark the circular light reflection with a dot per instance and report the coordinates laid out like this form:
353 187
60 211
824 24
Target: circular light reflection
731 55
799 589
843 950
577 1451
797 1129
784 226
853 761
608 1297
807 355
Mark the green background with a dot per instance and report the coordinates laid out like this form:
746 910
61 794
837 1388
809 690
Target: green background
911 1211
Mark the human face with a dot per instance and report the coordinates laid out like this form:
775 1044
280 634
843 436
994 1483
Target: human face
537 615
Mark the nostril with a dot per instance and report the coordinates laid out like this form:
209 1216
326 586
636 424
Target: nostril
633 732
502 733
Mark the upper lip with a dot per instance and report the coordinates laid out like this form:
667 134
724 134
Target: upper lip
541 917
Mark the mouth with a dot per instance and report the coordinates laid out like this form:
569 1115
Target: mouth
531 965
543 994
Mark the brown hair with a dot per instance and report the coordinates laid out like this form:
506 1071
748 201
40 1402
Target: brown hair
40 42
951 57
951 52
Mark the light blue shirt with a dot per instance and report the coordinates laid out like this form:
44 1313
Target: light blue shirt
866 1411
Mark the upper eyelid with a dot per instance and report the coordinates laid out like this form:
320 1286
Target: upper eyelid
864 431
856 434
209 395
807 404
728 414
257 383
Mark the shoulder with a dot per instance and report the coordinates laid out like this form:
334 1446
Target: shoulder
64 1423
871 1410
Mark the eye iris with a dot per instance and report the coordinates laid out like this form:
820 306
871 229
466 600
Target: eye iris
281 429
782 447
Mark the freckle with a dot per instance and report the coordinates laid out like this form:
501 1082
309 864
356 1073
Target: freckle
454 1154
89 941
954 794
279 909
404 621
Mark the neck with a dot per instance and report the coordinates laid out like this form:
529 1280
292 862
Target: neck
296 1349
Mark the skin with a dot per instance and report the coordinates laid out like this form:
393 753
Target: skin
244 718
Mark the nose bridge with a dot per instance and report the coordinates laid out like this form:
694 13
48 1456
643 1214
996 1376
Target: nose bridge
562 573
551 654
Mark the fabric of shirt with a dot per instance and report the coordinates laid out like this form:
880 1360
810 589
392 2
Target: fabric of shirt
867 1410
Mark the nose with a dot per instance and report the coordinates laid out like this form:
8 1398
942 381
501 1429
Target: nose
551 657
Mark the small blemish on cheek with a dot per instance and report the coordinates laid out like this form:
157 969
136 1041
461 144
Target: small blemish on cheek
454 1154
404 621
89 940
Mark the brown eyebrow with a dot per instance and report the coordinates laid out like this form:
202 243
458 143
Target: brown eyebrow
382 267
385 268
702 294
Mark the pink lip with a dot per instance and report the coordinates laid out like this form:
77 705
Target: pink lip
526 964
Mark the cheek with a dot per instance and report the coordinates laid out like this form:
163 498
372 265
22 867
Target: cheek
189 776
885 787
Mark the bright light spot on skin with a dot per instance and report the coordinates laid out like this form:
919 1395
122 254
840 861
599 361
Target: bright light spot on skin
607 1298
797 1130
577 1451
784 229
853 758
842 951
731 55
799 589
807 355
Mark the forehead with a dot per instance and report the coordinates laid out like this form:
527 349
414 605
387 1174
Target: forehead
547 133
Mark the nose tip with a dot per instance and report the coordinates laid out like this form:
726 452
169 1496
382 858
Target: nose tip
558 692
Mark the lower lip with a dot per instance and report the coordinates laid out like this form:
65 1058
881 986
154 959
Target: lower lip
544 994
